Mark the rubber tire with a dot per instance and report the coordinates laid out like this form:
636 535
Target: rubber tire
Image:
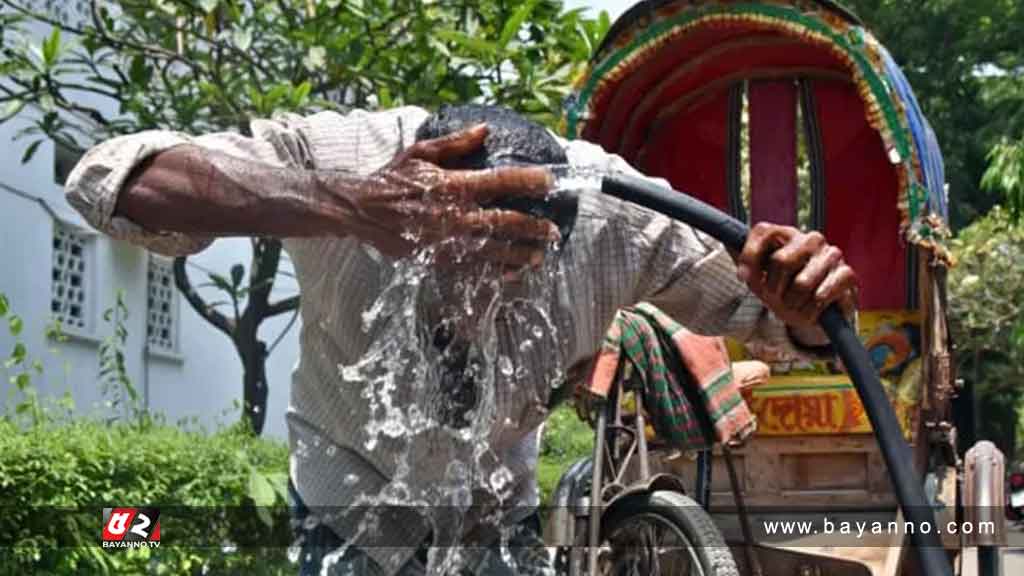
685 514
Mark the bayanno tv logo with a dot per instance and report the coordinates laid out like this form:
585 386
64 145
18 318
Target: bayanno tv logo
131 528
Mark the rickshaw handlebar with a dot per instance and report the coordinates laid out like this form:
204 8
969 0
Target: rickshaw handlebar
895 450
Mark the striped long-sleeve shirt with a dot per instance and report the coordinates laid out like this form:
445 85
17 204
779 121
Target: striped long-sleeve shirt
618 254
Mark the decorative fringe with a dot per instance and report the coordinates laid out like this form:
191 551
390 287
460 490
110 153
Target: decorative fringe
858 50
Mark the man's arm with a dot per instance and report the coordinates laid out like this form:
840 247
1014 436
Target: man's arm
227 185
708 296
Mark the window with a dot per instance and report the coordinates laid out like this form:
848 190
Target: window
71 290
162 319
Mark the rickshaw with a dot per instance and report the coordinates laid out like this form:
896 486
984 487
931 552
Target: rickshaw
789 112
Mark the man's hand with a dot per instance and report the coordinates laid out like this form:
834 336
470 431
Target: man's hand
796 274
413 202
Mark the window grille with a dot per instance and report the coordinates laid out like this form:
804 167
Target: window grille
162 319
70 291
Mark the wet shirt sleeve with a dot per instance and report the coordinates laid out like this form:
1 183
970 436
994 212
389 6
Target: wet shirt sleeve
690 275
95 183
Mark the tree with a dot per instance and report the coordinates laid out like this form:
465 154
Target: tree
204 65
1006 174
986 308
965 61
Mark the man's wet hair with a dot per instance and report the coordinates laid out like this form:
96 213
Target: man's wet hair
513 138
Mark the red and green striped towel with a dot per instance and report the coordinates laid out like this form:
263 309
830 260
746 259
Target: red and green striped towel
646 350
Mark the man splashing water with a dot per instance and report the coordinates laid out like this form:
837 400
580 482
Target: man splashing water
502 292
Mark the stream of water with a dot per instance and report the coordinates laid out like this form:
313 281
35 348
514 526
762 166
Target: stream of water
400 378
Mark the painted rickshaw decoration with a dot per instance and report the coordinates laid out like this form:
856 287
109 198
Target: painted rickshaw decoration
793 112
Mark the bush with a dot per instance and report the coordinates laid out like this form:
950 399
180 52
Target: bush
56 479
566 440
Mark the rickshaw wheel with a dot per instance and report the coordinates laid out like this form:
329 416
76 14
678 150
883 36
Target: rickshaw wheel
662 533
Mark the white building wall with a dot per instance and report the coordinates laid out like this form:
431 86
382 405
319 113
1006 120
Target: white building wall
202 381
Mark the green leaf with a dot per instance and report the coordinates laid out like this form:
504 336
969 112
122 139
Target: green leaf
22 381
242 39
51 47
138 71
513 24
18 354
237 274
471 43
301 93
12 109
316 58
15 324
5 305
221 282
208 5
263 495
276 94
30 151
384 97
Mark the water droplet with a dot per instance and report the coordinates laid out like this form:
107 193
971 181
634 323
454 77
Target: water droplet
350 480
311 522
505 365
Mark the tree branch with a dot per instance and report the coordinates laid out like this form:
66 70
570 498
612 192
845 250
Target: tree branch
219 321
266 255
284 332
282 306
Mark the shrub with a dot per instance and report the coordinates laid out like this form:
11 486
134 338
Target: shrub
566 440
55 481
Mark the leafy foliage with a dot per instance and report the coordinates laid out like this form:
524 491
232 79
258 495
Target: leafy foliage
214 65
1006 174
987 287
57 473
965 61
116 383
566 440
987 316
22 370
55 481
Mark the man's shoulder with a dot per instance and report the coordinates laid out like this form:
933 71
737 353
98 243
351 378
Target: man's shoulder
412 115
358 140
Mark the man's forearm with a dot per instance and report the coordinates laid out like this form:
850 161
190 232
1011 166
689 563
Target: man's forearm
196 191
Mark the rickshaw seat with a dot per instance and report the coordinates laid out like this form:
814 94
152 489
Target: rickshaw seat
751 373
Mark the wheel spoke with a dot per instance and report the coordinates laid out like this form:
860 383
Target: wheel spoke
649 545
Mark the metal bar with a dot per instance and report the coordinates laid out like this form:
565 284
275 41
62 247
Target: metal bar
753 562
641 439
703 489
594 537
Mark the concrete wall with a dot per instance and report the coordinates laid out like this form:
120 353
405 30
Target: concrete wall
202 381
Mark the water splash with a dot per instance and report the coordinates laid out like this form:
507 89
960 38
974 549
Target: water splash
399 378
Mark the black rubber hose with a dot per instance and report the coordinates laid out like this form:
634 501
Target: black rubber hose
898 459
